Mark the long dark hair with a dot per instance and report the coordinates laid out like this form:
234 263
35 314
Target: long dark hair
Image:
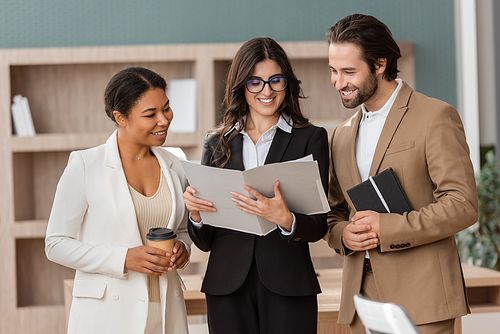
127 86
250 53
372 37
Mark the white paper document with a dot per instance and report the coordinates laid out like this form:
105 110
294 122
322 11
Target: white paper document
300 186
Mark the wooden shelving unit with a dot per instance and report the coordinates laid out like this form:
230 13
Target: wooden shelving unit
483 289
65 88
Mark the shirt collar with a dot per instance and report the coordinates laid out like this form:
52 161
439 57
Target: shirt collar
284 123
384 111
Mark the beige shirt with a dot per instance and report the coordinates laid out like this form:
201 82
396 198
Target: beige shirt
152 212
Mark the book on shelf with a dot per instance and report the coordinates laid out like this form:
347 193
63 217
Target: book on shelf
21 115
18 119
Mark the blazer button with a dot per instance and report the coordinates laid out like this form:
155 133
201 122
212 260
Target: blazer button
408 244
398 246
177 292
392 246
115 297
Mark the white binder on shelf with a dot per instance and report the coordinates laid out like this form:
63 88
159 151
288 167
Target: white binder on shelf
18 119
21 114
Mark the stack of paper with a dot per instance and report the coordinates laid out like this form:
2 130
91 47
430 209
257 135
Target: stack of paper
21 114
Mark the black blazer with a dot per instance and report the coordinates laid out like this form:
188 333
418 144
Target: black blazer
283 263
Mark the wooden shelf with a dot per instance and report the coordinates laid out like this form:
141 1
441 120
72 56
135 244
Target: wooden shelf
484 298
480 277
483 288
25 229
50 142
36 275
484 308
35 178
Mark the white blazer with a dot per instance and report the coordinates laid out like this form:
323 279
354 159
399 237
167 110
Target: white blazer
91 227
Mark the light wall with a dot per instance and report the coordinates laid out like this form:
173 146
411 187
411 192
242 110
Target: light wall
43 23
496 68
486 70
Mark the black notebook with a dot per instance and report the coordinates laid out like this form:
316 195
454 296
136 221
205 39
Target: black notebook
382 195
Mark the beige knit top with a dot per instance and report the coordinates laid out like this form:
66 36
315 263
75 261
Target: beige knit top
154 211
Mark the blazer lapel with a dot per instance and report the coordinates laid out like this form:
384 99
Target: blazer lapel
236 146
351 160
123 205
278 146
392 122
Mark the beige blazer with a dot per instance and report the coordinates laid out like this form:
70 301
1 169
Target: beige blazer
91 227
418 265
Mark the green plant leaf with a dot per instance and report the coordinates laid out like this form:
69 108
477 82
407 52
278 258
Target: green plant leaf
480 243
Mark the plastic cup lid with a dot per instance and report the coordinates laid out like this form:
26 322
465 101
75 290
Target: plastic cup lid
160 234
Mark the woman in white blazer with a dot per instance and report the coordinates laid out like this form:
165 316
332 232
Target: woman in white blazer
97 227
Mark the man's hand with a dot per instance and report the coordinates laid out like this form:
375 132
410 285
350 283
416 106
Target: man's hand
371 218
363 231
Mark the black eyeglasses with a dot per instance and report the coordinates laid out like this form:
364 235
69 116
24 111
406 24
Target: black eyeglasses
256 85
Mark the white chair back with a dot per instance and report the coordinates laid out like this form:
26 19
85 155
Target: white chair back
383 318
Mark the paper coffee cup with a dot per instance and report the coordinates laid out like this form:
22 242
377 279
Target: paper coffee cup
162 238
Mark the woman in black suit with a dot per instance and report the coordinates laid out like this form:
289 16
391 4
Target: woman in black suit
261 284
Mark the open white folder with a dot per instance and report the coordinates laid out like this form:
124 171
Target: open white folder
300 186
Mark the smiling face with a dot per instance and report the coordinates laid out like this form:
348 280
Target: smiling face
266 102
148 120
351 75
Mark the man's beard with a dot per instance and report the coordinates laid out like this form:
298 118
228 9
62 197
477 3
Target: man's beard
363 94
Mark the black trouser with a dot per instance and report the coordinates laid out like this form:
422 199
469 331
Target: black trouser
254 309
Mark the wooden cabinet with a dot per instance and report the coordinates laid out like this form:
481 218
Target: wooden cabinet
483 288
65 89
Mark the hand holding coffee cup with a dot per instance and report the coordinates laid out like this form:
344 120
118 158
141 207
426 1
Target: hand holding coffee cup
162 238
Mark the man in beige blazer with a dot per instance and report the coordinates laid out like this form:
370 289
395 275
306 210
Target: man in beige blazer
408 259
